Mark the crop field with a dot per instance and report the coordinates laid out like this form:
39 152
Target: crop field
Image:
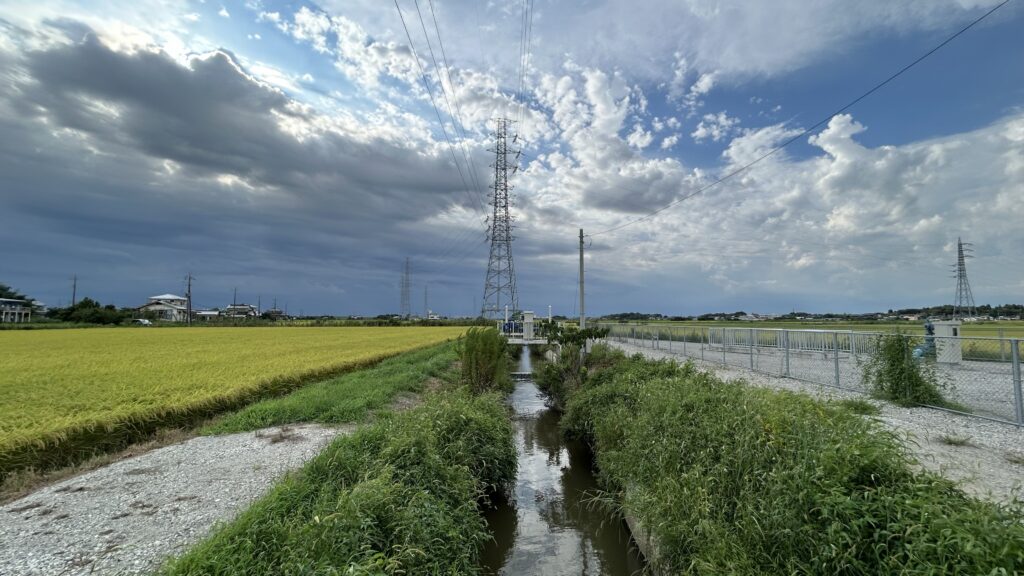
69 393
1008 329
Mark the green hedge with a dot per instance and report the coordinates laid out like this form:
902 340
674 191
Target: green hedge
398 497
732 479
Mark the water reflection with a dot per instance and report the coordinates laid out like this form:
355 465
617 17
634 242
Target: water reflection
548 526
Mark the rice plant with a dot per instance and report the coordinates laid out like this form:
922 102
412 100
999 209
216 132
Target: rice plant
69 394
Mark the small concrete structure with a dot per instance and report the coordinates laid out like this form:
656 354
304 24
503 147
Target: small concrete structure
527 325
948 346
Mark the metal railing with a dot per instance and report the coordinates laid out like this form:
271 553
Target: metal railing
983 375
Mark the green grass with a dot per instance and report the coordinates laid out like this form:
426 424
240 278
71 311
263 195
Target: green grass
734 479
858 406
346 398
399 496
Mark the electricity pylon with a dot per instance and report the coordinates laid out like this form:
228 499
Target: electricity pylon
500 284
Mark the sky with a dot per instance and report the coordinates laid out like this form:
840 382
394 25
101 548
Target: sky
292 151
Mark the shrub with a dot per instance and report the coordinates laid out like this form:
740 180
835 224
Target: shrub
892 373
485 360
562 378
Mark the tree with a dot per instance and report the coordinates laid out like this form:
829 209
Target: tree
8 292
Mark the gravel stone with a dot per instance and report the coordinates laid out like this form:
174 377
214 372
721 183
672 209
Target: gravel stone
126 518
989 466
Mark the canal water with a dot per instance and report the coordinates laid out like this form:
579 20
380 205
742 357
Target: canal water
548 525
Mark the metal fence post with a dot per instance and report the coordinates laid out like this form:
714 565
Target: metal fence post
785 334
1002 345
670 334
684 341
702 344
750 342
835 353
1018 396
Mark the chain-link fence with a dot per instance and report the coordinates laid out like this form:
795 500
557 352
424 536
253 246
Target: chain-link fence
981 376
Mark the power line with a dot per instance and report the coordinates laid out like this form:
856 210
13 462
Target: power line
808 130
456 120
444 131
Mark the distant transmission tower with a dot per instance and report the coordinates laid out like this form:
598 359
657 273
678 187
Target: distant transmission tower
406 306
963 304
500 285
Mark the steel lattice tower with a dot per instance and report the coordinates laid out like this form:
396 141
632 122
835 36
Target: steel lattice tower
500 285
964 301
406 306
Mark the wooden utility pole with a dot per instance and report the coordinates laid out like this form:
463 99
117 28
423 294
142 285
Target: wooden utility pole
74 289
188 301
583 315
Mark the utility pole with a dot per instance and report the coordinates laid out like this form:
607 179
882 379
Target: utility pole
259 304
188 301
406 310
426 309
234 298
583 314
74 289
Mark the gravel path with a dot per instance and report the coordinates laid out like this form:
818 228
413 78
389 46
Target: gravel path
990 465
126 518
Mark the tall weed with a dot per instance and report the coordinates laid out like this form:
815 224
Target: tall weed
892 373
732 479
485 360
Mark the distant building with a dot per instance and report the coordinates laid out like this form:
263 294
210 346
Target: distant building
274 314
12 310
166 307
206 315
240 311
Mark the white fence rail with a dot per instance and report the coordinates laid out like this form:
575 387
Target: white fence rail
981 374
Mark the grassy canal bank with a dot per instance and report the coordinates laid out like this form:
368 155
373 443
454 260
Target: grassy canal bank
728 478
401 495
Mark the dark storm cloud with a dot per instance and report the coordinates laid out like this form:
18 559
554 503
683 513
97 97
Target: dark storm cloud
110 163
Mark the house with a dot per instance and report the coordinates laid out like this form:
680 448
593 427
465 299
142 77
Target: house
274 314
12 310
166 307
240 311
206 315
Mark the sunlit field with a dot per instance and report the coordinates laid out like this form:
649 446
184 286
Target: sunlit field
64 392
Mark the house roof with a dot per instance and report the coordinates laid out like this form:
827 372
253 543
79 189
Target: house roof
167 297
163 304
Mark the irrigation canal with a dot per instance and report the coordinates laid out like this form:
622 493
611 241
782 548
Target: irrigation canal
549 525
